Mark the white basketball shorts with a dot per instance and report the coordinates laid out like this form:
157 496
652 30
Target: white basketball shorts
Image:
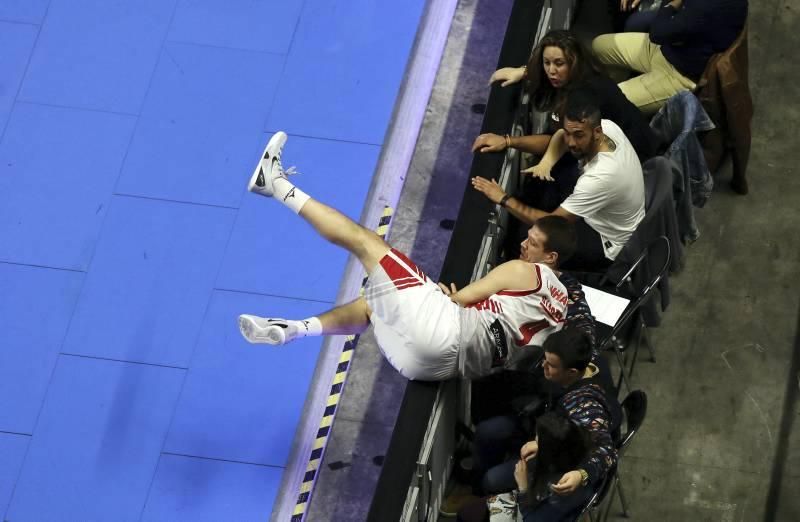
416 325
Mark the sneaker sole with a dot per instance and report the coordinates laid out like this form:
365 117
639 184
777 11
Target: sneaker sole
276 141
257 335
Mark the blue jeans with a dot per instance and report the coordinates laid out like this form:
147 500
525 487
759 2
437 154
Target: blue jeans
495 439
556 508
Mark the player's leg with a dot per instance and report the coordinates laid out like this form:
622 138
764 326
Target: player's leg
349 319
270 180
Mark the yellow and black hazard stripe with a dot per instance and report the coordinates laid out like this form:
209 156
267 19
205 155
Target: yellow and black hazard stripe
318 450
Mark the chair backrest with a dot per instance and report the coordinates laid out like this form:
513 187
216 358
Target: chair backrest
635 408
657 254
599 494
659 219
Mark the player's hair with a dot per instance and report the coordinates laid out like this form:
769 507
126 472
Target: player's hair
560 236
580 106
562 446
572 346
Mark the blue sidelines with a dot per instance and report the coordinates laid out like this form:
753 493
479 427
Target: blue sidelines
128 131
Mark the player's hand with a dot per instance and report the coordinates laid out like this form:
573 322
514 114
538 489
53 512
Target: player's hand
507 75
628 5
529 450
490 188
521 475
489 143
541 170
448 291
569 482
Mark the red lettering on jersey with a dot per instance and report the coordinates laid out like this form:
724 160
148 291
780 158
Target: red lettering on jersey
487 304
551 310
528 330
558 295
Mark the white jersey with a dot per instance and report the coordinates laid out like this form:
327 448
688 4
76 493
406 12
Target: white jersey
496 331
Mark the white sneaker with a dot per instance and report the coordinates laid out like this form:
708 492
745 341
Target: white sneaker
269 167
260 330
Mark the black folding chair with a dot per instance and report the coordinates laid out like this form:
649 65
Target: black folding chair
657 252
599 496
635 408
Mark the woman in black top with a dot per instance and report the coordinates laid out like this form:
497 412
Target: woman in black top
558 65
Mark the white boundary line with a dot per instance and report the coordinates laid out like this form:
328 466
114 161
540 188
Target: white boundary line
387 183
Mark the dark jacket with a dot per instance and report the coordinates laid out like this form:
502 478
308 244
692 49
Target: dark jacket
677 123
659 220
701 28
724 92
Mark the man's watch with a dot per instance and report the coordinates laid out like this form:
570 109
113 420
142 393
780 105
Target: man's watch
584 477
504 200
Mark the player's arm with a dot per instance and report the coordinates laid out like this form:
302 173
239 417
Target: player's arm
516 274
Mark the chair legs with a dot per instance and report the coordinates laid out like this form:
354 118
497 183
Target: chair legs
642 336
621 360
610 501
649 344
622 498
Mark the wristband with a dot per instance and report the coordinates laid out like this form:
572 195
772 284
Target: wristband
508 141
504 200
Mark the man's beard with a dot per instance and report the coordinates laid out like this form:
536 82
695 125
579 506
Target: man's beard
579 155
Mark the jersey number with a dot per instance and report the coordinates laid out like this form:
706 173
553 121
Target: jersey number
528 330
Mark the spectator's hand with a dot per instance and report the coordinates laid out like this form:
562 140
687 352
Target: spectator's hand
628 5
569 482
677 4
507 75
521 475
529 450
448 291
541 170
489 143
491 189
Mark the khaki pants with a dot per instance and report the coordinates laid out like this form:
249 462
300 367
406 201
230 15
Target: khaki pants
634 51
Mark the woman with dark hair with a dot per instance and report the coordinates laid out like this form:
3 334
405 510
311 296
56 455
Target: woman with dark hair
559 447
558 65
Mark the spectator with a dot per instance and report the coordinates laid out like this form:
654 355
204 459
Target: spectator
558 65
560 446
607 203
683 36
579 393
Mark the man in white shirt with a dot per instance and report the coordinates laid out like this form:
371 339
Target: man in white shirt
609 194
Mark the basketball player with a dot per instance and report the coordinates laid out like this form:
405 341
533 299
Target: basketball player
427 332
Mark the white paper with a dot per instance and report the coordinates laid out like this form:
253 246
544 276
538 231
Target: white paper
606 308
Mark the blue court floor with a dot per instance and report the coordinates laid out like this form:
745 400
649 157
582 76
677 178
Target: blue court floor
129 246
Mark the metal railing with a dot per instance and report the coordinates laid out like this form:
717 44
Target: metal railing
419 461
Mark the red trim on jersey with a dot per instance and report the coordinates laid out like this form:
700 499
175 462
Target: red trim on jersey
413 266
399 274
523 293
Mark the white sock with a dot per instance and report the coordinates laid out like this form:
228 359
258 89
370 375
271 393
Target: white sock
284 191
309 327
